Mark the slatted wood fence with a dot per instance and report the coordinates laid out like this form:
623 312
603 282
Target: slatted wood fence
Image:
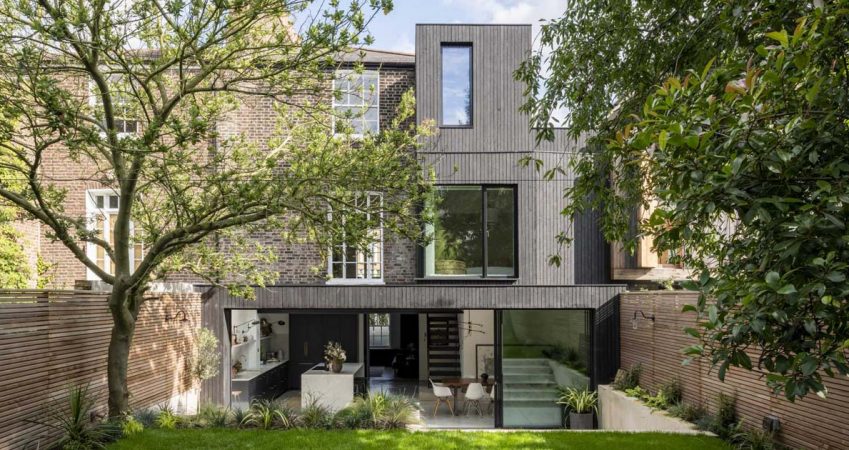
812 423
51 340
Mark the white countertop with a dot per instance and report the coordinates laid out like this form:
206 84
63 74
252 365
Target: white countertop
250 374
347 369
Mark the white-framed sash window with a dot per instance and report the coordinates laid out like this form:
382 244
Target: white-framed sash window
347 264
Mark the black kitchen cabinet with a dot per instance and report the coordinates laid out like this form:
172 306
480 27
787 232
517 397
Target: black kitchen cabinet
267 385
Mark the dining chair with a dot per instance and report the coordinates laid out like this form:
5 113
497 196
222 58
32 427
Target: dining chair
443 394
474 393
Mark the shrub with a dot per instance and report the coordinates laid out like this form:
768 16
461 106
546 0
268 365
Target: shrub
262 414
213 416
75 424
657 401
569 357
131 426
316 416
146 417
672 391
686 411
286 417
166 419
239 417
398 413
725 420
756 439
378 410
637 392
580 401
627 378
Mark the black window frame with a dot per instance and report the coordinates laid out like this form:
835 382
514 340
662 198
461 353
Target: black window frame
471 85
484 255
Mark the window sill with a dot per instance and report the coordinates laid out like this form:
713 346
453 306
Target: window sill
460 279
456 127
353 282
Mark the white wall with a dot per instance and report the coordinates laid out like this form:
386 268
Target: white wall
247 353
485 318
279 333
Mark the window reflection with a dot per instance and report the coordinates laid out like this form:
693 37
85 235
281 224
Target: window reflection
456 85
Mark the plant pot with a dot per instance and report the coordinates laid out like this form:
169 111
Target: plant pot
336 366
450 267
580 421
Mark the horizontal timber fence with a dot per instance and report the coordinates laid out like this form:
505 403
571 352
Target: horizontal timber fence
813 422
53 340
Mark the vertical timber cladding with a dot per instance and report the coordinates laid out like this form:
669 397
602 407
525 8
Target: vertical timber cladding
809 423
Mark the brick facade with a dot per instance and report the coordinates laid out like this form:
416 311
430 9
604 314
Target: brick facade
298 263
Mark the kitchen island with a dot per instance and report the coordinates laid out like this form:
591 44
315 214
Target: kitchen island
268 381
334 391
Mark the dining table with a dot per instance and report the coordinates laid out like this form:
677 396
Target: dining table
457 384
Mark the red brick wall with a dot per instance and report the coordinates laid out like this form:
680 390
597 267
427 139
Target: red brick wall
256 118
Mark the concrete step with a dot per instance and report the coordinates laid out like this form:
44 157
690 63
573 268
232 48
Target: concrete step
525 378
525 362
531 393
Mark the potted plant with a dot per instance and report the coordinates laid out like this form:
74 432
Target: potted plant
448 248
581 404
334 356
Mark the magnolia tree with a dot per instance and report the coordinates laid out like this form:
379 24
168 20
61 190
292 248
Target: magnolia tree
731 120
133 95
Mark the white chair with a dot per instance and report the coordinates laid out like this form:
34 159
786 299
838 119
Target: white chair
474 393
443 394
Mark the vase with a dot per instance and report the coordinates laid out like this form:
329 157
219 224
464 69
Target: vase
336 366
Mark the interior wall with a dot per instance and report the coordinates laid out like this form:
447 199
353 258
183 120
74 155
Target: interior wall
469 341
247 353
279 333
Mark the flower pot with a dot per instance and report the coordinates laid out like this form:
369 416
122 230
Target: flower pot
450 267
580 421
336 366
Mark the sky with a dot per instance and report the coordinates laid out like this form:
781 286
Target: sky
397 31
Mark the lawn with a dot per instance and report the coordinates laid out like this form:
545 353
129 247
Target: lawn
385 440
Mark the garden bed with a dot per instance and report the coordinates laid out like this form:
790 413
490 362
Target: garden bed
619 412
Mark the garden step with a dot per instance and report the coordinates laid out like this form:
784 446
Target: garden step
531 393
528 378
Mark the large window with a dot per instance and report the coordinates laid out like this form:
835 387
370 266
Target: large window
541 351
351 264
378 330
474 233
456 85
102 210
357 103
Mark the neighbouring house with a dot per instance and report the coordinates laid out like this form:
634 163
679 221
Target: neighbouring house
480 299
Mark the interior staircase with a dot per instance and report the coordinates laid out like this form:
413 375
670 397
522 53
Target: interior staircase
530 393
443 346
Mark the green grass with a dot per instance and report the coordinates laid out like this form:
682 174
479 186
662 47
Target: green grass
385 440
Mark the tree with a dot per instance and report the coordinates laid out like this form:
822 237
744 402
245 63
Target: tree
133 92
732 117
205 358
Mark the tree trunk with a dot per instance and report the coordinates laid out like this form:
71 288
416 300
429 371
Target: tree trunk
123 327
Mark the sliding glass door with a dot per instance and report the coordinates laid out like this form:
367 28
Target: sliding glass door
541 350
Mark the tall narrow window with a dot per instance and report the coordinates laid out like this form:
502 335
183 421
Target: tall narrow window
378 330
350 264
125 119
102 210
456 85
474 233
356 102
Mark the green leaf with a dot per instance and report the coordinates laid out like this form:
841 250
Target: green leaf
836 277
787 289
692 332
772 279
661 139
780 36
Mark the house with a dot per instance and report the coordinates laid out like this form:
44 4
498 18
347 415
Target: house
481 298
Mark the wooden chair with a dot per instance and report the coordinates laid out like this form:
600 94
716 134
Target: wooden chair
443 394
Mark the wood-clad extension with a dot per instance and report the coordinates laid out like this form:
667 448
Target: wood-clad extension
52 340
810 423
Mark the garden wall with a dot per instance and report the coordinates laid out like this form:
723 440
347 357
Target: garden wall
51 340
810 423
